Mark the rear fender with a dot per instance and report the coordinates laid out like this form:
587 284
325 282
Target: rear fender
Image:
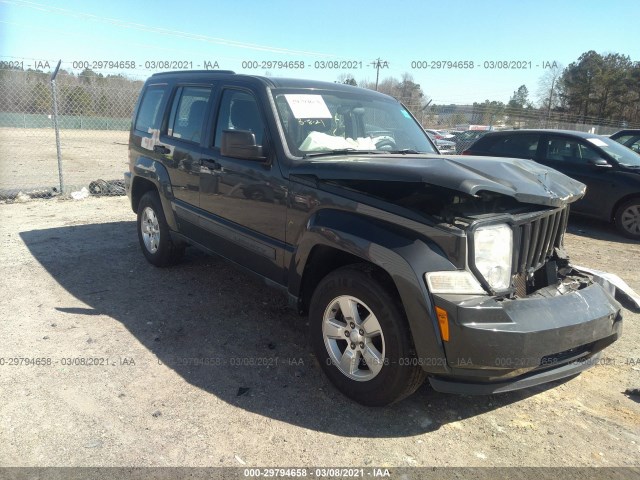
156 173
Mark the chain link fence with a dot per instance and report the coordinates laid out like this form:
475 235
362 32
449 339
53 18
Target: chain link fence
94 116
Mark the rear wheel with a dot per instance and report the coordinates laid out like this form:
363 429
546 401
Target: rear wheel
361 338
153 232
627 218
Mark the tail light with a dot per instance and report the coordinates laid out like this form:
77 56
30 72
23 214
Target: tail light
466 152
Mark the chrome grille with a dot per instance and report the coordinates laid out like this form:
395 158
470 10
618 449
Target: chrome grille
538 237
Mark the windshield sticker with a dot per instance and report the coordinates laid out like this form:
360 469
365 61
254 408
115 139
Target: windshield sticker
308 106
406 114
597 142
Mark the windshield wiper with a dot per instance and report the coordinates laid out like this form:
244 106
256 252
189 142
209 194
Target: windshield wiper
340 151
404 151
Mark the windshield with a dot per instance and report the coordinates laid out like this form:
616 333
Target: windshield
321 122
620 153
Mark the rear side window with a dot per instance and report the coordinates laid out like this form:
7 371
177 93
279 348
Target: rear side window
518 146
623 139
563 149
149 111
188 113
631 141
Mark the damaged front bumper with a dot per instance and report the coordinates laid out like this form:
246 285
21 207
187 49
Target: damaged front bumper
497 345
616 287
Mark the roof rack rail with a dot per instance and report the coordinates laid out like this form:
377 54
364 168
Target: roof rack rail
195 71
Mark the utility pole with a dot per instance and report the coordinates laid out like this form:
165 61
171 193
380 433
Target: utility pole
553 80
56 127
377 64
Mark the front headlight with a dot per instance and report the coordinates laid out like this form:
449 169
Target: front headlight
493 249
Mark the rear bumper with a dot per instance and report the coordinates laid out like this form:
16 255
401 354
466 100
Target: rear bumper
500 346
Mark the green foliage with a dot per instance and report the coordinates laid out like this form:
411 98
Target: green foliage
76 101
520 99
89 94
602 86
102 104
489 112
40 99
405 90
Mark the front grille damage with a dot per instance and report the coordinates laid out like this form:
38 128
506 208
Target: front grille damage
538 250
538 239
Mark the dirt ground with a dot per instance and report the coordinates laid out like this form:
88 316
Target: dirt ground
170 381
28 158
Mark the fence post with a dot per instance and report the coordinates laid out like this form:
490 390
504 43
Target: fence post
54 92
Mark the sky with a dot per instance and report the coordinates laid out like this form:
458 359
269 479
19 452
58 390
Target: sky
244 35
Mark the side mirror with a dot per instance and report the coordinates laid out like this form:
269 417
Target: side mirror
600 162
241 144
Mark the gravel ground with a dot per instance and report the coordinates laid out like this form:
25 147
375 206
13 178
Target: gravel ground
28 158
76 286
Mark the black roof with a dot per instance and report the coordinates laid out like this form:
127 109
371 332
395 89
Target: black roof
626 131
271 82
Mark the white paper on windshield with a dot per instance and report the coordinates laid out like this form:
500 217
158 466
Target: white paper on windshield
321 142
597 142
307 106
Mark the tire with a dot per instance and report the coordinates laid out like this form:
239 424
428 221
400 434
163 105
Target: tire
360 377
99 187
153 232
627 219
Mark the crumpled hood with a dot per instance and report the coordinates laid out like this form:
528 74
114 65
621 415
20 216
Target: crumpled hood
524 180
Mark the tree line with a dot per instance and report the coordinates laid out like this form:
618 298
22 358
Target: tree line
597 88
87 94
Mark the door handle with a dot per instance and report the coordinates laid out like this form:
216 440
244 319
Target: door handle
210 163
161 149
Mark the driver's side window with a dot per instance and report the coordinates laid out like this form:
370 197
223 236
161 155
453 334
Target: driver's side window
239 111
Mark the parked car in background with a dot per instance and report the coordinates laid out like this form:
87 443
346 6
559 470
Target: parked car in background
444 146
454 134
434 134
628 138
610 171
465 139
457 133
445 134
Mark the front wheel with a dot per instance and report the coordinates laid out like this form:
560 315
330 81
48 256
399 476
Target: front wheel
627 218
361 338
153 232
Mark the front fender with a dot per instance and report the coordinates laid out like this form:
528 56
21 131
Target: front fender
404 254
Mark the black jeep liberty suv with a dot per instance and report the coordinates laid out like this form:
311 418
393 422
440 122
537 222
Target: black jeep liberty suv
409 264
